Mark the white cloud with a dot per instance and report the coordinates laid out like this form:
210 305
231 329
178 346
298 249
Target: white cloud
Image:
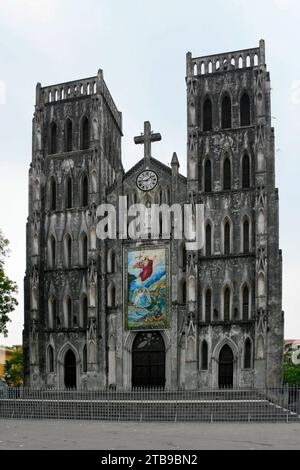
13 207
52 29
285 4
22 11
295 92
2 92
265 8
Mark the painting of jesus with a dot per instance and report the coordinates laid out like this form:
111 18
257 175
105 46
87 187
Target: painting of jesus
146 289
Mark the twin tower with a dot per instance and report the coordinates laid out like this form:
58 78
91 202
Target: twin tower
148 313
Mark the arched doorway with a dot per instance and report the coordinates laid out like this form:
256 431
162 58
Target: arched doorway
226 367
149 360
70 369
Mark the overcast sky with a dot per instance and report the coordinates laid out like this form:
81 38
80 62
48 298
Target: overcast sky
141 46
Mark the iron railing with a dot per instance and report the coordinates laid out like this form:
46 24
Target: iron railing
280 404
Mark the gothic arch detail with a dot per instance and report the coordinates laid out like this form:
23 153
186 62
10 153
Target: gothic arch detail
127 358
215 361
61 363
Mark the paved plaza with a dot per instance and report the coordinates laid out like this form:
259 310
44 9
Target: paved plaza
92 435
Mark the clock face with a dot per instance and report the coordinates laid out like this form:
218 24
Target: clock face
147 180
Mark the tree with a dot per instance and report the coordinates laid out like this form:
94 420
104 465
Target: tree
8 289
291 373
14 369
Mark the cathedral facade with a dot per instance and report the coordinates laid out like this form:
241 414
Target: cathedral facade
123 312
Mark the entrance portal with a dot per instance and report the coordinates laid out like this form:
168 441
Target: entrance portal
70 369
149 360
226 367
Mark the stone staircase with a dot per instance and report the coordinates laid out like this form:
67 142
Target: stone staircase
153 406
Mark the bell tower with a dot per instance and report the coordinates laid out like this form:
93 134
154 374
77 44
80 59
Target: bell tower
77 132
231 170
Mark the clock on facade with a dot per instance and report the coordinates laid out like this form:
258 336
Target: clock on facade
147 180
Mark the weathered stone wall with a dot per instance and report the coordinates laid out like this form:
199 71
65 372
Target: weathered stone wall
100 161
214 77
109 345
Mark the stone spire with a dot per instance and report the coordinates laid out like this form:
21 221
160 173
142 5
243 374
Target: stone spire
175 161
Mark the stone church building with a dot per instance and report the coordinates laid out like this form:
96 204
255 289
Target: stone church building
122 313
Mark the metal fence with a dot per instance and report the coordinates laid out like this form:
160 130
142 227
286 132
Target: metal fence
281 404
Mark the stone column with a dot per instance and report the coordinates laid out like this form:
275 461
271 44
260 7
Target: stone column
112 376
261 224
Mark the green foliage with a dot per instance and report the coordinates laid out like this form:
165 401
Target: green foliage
14 369
291 373
8 289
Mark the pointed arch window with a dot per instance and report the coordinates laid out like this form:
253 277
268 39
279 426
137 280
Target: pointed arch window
245 110
207 177
68 135
246 172
168 196
248 354
207 115
111 262
53 194
227 238
52 252
204 356
56 321
52 313
111 296
85 133
182 256
68 251
84 359
69 193
53 138
84 249
84 312
84 191
227 174
208 240
227 296
50 359
208 305
161 234
226 113
246 303
160 196
68 312
182 291
246 237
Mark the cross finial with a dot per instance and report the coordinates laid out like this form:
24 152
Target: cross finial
146 139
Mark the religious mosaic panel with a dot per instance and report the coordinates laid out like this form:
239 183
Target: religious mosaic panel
147 288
